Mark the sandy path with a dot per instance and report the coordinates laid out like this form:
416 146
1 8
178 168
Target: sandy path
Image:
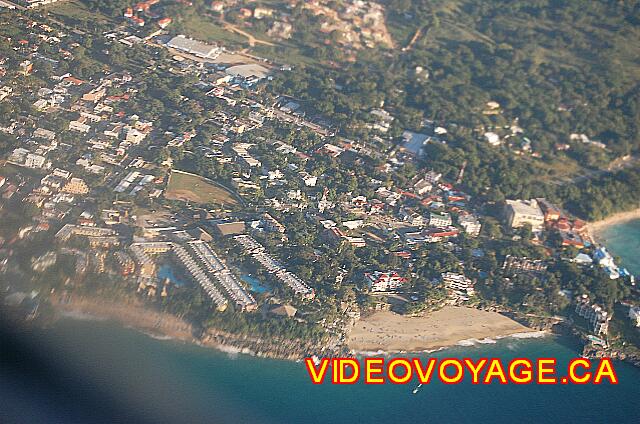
391 332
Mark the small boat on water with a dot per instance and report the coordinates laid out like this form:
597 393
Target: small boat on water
417 388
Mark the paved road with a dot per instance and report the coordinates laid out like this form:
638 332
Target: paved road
17 6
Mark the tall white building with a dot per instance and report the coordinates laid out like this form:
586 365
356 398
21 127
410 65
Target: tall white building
521 212
471 225
595 315
460 288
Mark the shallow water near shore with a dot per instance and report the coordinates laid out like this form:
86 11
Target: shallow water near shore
623 240
166 381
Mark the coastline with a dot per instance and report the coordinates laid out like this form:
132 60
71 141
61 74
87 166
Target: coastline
595 228
159 325
448 327
486 328
135 315
166 327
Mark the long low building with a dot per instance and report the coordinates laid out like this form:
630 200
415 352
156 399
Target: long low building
196 272
199 261
80 230
248 243
207 256
256 251
194 47
238 294
223 275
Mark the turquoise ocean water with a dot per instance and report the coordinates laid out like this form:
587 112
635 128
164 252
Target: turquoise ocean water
623 240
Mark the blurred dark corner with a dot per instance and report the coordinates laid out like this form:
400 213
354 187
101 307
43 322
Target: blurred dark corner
35 388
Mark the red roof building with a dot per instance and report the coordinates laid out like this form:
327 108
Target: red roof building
384 281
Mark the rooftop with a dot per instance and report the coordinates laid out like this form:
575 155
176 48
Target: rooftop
526 207
196 47
248 70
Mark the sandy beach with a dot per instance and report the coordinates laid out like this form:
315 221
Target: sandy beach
390 332
595 227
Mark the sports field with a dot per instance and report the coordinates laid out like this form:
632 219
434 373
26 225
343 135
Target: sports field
188 187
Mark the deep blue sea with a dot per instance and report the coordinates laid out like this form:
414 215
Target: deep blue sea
101 370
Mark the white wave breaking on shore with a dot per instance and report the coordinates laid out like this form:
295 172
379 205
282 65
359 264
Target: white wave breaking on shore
530 335
473 342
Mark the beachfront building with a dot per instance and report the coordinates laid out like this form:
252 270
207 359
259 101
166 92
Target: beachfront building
597 318
248 243
459 287
202 264
257 252
199 276
521 212
380 281
295 283
143 255
602 257
218 271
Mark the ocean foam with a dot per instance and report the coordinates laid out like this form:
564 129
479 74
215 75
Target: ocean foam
473 342
530 335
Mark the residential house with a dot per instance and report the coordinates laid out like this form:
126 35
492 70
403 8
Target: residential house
379 281
439 220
